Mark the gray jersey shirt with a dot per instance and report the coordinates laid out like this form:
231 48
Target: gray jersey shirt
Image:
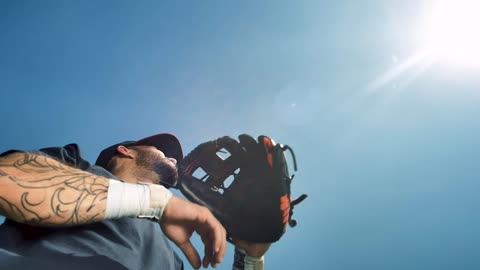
130 242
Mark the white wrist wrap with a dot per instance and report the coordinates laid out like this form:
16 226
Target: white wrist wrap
242 261
136 200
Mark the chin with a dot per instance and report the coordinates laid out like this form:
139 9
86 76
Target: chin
168 175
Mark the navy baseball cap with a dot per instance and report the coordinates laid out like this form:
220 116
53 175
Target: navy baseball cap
165 142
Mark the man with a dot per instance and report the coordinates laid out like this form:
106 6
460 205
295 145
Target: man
60 209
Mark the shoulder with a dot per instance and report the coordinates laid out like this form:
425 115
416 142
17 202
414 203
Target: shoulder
69 154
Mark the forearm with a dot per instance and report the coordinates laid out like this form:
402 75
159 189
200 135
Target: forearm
37 189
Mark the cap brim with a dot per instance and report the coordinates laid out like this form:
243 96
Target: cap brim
165 142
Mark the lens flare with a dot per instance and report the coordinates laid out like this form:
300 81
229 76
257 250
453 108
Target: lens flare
449 32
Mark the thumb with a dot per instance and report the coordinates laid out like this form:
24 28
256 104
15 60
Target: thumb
191 254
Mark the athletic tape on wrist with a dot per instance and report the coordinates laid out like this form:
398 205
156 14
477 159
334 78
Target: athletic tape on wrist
159 198
242 261
136 200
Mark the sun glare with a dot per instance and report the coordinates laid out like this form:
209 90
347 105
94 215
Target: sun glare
451 32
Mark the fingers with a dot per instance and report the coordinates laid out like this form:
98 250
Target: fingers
191 254
181 218
220 244
208 251
214 239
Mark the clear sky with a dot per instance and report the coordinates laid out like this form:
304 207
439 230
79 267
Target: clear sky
388 151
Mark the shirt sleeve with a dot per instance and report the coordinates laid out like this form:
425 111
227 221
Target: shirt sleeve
68 154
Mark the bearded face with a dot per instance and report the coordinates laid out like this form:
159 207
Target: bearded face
151 162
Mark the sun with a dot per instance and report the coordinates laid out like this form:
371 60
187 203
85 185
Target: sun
451 31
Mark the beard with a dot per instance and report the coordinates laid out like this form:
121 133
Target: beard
164 170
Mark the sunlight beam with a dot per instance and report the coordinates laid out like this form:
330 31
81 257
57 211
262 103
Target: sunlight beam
449 32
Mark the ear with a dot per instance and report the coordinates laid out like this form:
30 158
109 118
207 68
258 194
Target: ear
125 152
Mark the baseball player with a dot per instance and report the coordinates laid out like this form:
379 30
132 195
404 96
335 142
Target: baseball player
64 212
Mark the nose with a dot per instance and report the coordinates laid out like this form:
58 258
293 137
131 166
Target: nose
173 160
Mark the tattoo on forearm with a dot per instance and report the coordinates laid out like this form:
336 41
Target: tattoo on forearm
51 193
7 207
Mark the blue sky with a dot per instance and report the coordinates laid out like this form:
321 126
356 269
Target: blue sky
390 166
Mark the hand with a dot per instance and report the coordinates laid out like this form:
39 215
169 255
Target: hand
256 250
181 218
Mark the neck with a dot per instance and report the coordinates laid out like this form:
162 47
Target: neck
126 175
135 175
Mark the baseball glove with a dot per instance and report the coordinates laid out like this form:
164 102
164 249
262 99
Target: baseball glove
256 205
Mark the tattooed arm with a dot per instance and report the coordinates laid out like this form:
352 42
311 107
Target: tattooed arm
37 189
